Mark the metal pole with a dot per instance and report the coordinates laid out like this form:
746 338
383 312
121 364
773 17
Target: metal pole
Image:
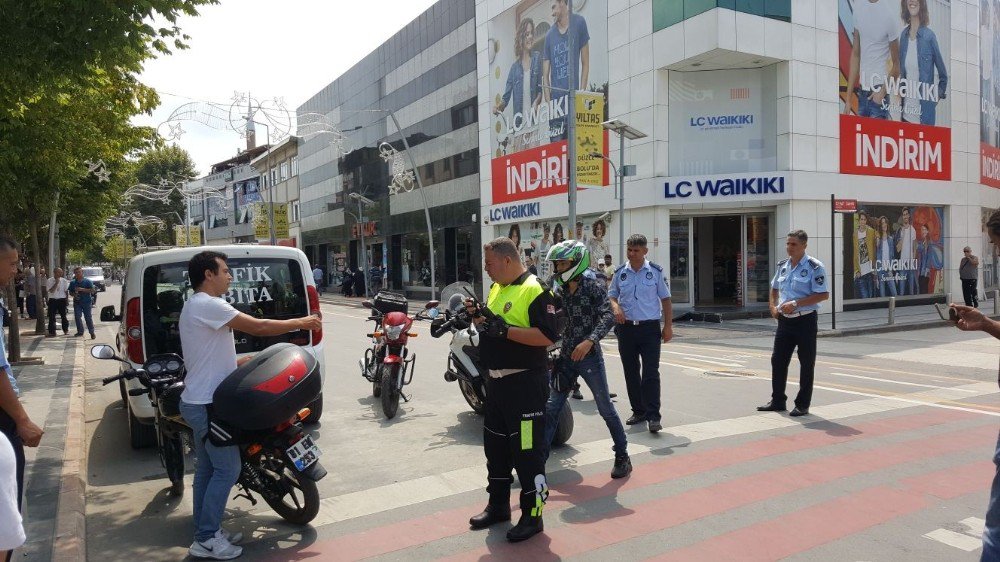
996 301
571 121
363 249
892 310
52 236
423 197
187 218
621 196
270 187
833 269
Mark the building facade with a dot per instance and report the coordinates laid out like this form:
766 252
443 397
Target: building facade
751 131
425 76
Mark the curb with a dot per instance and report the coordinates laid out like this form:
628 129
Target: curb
70 540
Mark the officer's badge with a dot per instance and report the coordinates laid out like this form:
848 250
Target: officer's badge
804 273
551 309
820 279
649 275
506 307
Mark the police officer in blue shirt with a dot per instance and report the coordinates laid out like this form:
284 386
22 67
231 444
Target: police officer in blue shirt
797 288
639 299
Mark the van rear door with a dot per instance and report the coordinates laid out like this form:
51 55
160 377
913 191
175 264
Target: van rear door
272 288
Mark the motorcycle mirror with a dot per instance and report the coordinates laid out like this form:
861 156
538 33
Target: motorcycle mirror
432 304
102 351
366 303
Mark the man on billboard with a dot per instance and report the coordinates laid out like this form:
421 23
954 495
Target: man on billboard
906 238
556 60
875 54
864 253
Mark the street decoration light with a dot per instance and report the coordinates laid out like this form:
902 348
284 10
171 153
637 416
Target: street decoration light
624 131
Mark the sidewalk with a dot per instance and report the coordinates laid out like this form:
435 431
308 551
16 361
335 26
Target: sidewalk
853 322
54 498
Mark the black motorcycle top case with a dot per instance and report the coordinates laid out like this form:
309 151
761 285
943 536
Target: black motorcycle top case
268 389
386 302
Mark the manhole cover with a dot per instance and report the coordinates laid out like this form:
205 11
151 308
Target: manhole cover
731 374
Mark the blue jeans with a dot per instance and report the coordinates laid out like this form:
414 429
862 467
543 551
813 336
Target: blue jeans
868 108
908 283
215 473
84 310
864 286
591 370
991 534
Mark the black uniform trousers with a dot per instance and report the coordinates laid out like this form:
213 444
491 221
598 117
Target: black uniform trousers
635 342
58 306
798 332
970 292
513 438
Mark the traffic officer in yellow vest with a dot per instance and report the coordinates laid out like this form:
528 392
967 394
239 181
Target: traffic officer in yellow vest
515 330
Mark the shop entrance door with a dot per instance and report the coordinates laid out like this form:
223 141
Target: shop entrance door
718 241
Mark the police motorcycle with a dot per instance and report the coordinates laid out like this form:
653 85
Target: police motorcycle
464 365
388 364
259 408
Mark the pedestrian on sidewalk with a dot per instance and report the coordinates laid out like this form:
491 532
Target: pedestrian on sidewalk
206 326
19 292
83 291
15 424
640 300
798 286
58 288
318 278
11 528
588 319
968 272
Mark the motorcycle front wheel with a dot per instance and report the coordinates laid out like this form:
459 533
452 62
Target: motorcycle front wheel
475 394
293 497
390 390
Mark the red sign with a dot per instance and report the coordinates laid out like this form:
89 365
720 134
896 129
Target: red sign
369 229
877 147
845 205
532 173
990 161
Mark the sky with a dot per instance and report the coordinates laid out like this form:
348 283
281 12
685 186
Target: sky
252 46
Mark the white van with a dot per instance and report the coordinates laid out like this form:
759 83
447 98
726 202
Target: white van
268 282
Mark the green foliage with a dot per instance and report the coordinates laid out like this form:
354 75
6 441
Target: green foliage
118 250
170 163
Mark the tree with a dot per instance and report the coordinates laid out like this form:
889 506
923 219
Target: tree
175 166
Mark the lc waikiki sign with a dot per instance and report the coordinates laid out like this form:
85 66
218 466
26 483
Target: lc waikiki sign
894 88
734 187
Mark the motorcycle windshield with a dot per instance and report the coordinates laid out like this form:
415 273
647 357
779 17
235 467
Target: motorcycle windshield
272 288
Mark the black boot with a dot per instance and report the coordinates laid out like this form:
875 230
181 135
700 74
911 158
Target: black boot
526 528
492 514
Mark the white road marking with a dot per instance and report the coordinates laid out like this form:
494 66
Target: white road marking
889 381
410 492
969 540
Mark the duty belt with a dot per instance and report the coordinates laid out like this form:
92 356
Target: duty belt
640 322
797 314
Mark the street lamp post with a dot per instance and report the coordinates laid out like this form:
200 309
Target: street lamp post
270 182
361 199
624 131
423 198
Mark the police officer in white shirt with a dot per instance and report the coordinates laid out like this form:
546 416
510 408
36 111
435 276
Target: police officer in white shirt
797 288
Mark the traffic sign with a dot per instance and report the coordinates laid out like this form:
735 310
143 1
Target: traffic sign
845 205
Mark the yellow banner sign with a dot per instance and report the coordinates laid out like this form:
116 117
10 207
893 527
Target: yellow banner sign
261 221
589 138
182 234
281 220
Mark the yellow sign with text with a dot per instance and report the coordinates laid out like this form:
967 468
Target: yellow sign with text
181 233
281 220
260 221
589 138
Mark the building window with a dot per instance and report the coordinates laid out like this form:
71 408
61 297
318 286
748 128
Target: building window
274 175
295 211
295 166
284 171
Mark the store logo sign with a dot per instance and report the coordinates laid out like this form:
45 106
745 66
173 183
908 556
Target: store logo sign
708 122
761 186
504 213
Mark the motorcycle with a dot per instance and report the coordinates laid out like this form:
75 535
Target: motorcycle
465 367
388 364
279 462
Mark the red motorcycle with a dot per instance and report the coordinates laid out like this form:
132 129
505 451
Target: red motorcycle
389 364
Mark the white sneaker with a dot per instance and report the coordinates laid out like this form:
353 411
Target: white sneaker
233 538
215 548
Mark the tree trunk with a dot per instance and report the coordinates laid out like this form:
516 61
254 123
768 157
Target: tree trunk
40 301
13 339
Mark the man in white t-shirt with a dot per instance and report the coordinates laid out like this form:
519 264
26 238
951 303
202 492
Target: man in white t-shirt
906 238
11 529
58 293
875 43
206 327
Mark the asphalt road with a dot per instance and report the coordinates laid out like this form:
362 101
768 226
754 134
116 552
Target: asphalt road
897 448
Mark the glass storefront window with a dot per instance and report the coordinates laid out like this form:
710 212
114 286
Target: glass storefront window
680 259
416 260
758 260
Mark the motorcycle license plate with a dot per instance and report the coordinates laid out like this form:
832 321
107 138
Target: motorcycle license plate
303 453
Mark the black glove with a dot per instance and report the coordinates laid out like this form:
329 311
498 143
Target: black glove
495 327
562 379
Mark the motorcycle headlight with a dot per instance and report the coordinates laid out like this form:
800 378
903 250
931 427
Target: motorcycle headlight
393 332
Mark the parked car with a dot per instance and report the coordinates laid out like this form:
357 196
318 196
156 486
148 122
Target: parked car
268 282
96 276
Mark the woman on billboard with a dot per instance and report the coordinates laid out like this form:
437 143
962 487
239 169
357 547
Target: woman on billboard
524 84
597 245
920 56
885 276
